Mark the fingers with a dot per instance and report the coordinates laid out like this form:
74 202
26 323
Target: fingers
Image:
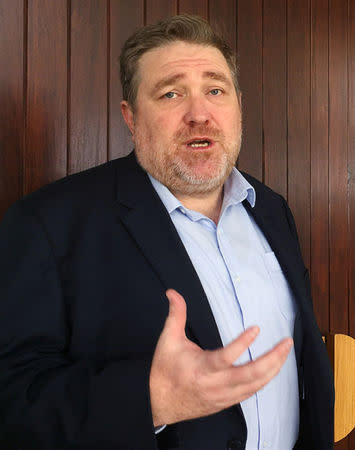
223 358
176 320
240 382
251 377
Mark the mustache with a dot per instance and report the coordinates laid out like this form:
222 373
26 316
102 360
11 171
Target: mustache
186 134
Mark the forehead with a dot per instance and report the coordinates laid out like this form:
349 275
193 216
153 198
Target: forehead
180 57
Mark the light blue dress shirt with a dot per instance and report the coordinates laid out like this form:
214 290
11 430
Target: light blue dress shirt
245 286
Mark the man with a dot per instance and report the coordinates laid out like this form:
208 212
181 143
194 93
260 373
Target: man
93 355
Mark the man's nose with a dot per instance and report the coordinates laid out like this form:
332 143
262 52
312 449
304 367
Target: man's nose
197 111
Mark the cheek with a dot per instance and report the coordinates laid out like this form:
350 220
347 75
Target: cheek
232 123
166 121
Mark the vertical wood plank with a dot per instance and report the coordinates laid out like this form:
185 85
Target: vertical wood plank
338 225
223 16
319 163
338 165
351 150
351 147
11 100
46 126
275 95
351 171
249 44
125 18
298 62
198 7
159 9
88 84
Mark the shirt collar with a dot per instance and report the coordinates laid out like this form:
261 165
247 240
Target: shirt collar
236 190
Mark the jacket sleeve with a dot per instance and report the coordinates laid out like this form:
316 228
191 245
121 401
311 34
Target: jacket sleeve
48 400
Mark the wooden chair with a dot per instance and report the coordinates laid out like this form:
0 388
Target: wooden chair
341 349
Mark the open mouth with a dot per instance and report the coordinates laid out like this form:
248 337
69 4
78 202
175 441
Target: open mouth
199 143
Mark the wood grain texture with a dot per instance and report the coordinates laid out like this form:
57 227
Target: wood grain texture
199 7
338 108
319 269
223 16
88 84
275 95
338 118
344 370
159 9
11 100
351 164
249 46
298 63
45 155
125 18
351 172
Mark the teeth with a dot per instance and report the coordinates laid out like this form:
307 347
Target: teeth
199 144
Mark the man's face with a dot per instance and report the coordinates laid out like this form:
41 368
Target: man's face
186 125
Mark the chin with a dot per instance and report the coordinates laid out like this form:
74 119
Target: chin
198 183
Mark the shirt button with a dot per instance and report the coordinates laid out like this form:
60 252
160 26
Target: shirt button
237 278
234 444
265 444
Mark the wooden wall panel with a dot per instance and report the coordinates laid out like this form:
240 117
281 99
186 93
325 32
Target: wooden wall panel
351 167
159 9
338 189
319 267
351 153
199 7
298 67
223 16
275 95
250 57
338 103
351 172
45 155
88 84
11 101
125 18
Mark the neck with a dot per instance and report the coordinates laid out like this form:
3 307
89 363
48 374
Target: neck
208 204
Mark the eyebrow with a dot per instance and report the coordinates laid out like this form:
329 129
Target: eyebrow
167 81
218 76
170 80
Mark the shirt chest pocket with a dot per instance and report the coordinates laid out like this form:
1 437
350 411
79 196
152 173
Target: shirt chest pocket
283 294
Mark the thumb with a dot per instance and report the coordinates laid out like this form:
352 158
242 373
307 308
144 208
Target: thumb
176 320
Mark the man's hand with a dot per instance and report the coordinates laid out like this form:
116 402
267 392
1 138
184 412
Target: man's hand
187 382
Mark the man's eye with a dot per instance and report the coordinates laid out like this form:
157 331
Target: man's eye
170 95
216 92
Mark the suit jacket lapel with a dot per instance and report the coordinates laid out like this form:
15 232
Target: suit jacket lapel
147 221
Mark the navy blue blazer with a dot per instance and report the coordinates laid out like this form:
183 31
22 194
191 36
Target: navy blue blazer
84 266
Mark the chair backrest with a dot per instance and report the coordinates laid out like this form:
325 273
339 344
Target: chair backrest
341 349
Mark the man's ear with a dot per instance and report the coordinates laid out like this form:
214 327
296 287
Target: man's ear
128 116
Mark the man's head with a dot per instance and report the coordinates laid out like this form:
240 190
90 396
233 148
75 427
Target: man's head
181 104
185 28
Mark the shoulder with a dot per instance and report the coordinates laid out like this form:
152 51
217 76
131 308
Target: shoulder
73 199
83 189
77 187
